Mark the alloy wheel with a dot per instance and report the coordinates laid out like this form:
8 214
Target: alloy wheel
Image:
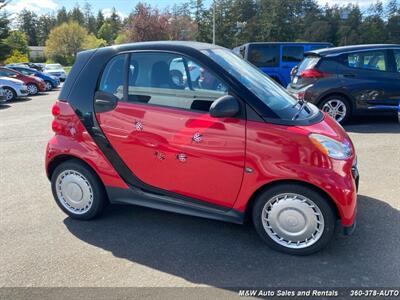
8 94
336 108
48 86
32 89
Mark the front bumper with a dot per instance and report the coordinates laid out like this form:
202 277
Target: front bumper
349 229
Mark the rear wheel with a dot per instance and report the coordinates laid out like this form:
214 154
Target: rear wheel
78 191
337 107
294 219
9 94
32 89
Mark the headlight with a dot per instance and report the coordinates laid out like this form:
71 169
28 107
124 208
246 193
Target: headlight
331 147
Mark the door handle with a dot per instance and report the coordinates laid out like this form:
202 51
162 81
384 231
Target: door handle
349 75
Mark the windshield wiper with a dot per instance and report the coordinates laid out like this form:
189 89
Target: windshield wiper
303 104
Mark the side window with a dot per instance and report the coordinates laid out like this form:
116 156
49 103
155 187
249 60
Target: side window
112 79
264 55
172 80
370 60
292 53
396 53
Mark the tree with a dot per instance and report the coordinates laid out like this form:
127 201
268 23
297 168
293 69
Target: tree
91 42
76 15
27 22
4 31
147 24
99 20
62 16
17 57
45 24
107 33
182 28
65 41
17 41
90 20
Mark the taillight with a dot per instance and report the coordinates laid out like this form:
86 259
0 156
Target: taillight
312 73
56 126
55 110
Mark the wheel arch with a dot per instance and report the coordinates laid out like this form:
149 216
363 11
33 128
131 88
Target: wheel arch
272 184
337 93
10 88
59 159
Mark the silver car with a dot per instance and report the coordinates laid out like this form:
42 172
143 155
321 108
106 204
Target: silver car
13 88
55 70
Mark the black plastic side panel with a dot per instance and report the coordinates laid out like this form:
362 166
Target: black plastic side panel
199 209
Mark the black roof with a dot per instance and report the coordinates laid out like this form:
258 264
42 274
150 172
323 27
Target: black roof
161 45
345 49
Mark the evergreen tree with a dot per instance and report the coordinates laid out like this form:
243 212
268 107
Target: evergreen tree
27 22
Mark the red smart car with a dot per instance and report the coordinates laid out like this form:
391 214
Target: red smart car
34 84
132 126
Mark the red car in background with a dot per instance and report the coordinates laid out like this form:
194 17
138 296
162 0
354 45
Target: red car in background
34 84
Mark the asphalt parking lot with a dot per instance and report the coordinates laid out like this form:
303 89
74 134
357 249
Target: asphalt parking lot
134 246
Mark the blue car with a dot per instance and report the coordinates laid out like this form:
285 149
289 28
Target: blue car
50 81
277 59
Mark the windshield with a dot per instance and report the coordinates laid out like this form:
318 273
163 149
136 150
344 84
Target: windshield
53 67
273 95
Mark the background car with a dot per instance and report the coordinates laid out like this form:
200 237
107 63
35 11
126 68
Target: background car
55 70
36 66
50 80
13 88
34 84
351 80
2 97
277 59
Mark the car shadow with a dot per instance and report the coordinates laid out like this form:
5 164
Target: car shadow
228 256
381 124
20 100
4 106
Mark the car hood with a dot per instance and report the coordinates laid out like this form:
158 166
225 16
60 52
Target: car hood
5 80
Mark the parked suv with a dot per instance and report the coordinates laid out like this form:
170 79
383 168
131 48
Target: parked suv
231 146
34 84
351 80
277 59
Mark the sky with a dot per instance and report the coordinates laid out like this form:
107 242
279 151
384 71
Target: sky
124 7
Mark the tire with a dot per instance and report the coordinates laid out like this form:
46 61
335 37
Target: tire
72 180
32 89
340 103
9 94
279 220
49 86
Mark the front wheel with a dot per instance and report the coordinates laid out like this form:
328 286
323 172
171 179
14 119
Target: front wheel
32 89
9 94
78 191
294 219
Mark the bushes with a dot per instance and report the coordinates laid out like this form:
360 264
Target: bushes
17 57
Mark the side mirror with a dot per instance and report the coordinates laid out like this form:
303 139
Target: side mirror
225 106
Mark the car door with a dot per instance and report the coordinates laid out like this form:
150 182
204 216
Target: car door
292 55
163 132
369 79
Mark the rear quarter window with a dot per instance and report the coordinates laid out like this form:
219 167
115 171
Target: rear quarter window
292 53
264 55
